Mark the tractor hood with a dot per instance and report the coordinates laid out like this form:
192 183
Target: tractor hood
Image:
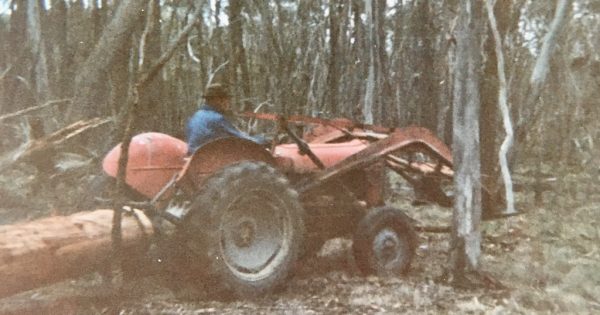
288 155
153 160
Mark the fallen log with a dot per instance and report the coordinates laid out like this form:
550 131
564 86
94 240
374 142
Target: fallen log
52 249
38 148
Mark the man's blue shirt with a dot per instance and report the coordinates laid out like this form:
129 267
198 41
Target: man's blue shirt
208 124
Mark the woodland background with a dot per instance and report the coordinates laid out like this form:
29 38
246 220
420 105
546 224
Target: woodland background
386 62
389 62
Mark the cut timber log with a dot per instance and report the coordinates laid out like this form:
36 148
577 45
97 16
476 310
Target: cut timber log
52 249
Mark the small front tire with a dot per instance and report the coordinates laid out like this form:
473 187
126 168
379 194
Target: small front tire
384 242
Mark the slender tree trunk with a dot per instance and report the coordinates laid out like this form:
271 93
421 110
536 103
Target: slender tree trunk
503 104
38 52
380 60
370 88
489 106
96 21
426 88
358 36
276 52
61 60
398 65
150 49
335 9
465 245
239 69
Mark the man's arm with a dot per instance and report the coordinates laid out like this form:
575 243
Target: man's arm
225 128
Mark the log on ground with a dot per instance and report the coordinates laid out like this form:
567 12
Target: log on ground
52 249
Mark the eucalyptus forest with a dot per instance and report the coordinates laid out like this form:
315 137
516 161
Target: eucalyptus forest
511 87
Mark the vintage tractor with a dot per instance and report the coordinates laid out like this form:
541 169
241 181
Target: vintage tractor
243 214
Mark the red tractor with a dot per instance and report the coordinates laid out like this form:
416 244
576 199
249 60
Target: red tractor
245 214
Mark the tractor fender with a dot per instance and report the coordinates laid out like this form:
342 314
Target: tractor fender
217 154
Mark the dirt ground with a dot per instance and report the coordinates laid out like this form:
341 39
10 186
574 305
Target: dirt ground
548 258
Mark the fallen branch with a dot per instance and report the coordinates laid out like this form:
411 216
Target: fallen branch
5 72
40 145
433 229
34 108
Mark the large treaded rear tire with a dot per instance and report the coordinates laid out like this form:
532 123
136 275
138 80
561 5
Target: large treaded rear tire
384 242
247 225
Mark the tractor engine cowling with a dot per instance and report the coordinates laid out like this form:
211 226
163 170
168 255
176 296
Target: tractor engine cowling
290 158
154 158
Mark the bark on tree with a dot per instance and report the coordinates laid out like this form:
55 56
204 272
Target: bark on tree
62 60
358 46
150 49
38 51
425 86
489 114
93 71
490 89
52 249
335 9
466 234
504 109
239 68
380 60
370 43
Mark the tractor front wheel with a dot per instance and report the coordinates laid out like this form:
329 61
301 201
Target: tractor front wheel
384 242
247 223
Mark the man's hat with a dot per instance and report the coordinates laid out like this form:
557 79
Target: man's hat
216 90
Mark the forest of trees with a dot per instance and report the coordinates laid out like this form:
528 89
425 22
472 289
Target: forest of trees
471 71
389 62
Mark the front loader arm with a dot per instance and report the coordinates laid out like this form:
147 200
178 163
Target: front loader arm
396 141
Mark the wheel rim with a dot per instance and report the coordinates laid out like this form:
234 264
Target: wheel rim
390 251
255 235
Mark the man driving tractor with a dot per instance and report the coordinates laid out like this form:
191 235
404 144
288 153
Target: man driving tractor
209 122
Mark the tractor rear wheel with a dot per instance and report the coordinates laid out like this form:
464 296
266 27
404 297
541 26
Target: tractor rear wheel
247 224
384 242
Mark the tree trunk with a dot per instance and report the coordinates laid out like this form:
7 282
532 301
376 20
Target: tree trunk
150 50
93 72
426 88
489 105
52 249
19 95
238 68
466 234
379 49
370 88
359 67
335 9
38 51
61 59
503 104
